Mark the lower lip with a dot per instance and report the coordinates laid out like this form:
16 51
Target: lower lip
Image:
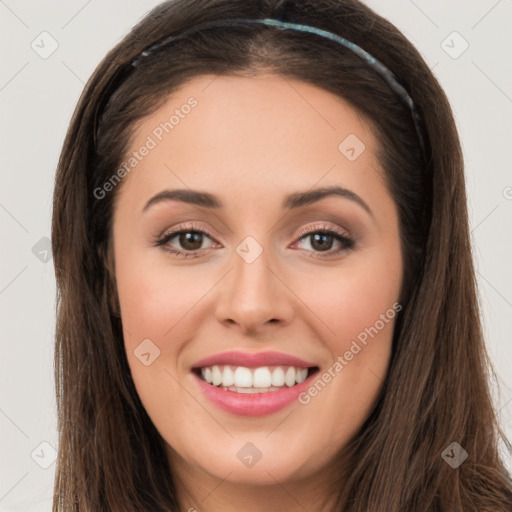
253 404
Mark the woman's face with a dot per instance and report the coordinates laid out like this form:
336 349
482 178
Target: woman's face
249 279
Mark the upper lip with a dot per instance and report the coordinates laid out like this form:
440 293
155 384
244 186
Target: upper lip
253 360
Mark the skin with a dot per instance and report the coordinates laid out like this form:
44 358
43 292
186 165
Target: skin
251 142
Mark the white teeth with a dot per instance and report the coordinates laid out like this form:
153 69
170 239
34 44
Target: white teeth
278 377
216 376
301 375
289 376
243 377
253 380
251 390
228 378
262 378
247 390
207 374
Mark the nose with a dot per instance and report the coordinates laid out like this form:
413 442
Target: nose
253 297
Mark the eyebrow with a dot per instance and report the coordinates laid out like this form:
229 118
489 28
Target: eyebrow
295 200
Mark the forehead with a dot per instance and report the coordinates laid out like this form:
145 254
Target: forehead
262 133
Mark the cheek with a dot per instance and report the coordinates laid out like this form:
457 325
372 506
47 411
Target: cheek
356 310
157 304
153 311
353 299
153 301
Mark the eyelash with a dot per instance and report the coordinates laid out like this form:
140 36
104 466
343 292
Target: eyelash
347 243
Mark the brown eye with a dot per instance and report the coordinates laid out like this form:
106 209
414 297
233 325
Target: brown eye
186 241
321 242
322 238
190 240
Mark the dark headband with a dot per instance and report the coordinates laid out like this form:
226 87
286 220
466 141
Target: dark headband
124 70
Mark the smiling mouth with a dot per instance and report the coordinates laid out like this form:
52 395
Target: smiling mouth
263 379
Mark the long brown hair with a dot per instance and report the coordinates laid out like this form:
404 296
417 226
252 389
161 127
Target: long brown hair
436 391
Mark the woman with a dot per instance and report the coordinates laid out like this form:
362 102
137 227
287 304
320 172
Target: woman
267 296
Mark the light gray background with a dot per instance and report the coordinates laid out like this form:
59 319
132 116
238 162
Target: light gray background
37 98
